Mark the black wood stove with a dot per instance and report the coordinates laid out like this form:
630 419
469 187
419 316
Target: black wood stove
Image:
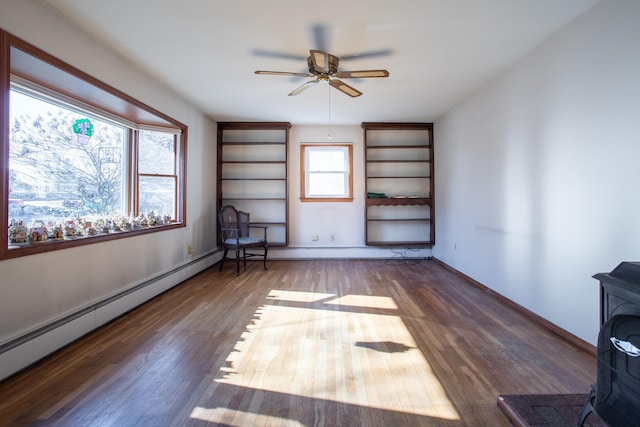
615 397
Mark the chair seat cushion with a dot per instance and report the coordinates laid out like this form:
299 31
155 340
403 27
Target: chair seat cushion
243 241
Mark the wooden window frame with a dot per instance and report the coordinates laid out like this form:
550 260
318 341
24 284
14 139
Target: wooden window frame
303 173
174 176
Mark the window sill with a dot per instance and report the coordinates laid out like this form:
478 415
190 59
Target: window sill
326 199
16 250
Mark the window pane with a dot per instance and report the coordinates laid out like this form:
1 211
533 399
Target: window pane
327 184
156 153
327 160
62 164
327 172
157 194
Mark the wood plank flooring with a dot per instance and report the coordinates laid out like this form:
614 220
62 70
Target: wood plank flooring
306 343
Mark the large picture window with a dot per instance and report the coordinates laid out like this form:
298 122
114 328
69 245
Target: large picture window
81 162
55 174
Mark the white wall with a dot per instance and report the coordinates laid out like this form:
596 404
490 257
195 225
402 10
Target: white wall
344 220
79 277
537 174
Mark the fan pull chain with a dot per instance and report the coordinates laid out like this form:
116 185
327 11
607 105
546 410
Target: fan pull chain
329 136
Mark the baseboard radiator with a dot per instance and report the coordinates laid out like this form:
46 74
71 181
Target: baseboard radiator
27 349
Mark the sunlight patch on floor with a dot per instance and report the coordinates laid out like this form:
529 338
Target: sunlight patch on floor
352 356
297 296
218 415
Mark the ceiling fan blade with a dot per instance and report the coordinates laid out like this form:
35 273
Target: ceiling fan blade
283 73
320 61
368 54
361 74
343 87
303 87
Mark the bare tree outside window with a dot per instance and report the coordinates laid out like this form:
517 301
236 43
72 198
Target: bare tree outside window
52 174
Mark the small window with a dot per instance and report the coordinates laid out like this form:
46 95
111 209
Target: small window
157 174
326 172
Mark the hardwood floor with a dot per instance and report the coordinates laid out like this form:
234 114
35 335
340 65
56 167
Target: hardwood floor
326 342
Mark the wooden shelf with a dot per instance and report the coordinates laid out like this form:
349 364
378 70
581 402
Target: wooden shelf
255 162
253 198
256 143
389 149
398 220
399 161
374 147
259 146
403 126
254 179
399 177
398 201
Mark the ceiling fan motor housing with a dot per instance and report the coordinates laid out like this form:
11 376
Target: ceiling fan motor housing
333 65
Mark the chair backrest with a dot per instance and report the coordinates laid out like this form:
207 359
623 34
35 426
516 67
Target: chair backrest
243 223
231 218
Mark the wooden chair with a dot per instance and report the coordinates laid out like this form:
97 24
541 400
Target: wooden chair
235 227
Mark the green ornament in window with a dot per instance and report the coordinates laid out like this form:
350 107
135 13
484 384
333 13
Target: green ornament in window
83 128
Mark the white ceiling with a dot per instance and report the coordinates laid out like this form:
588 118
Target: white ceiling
437 51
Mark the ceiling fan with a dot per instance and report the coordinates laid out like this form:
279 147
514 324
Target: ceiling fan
323 67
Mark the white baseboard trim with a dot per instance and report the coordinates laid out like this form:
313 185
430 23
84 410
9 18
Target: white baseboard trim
347 252
25 350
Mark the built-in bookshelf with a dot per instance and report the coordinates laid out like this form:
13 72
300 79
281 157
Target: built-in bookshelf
399 209
252 174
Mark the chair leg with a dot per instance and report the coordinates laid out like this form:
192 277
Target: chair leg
244 258
237 262
224 256
264 260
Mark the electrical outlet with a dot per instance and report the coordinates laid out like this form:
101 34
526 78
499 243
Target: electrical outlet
332 238
315 237
189 249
